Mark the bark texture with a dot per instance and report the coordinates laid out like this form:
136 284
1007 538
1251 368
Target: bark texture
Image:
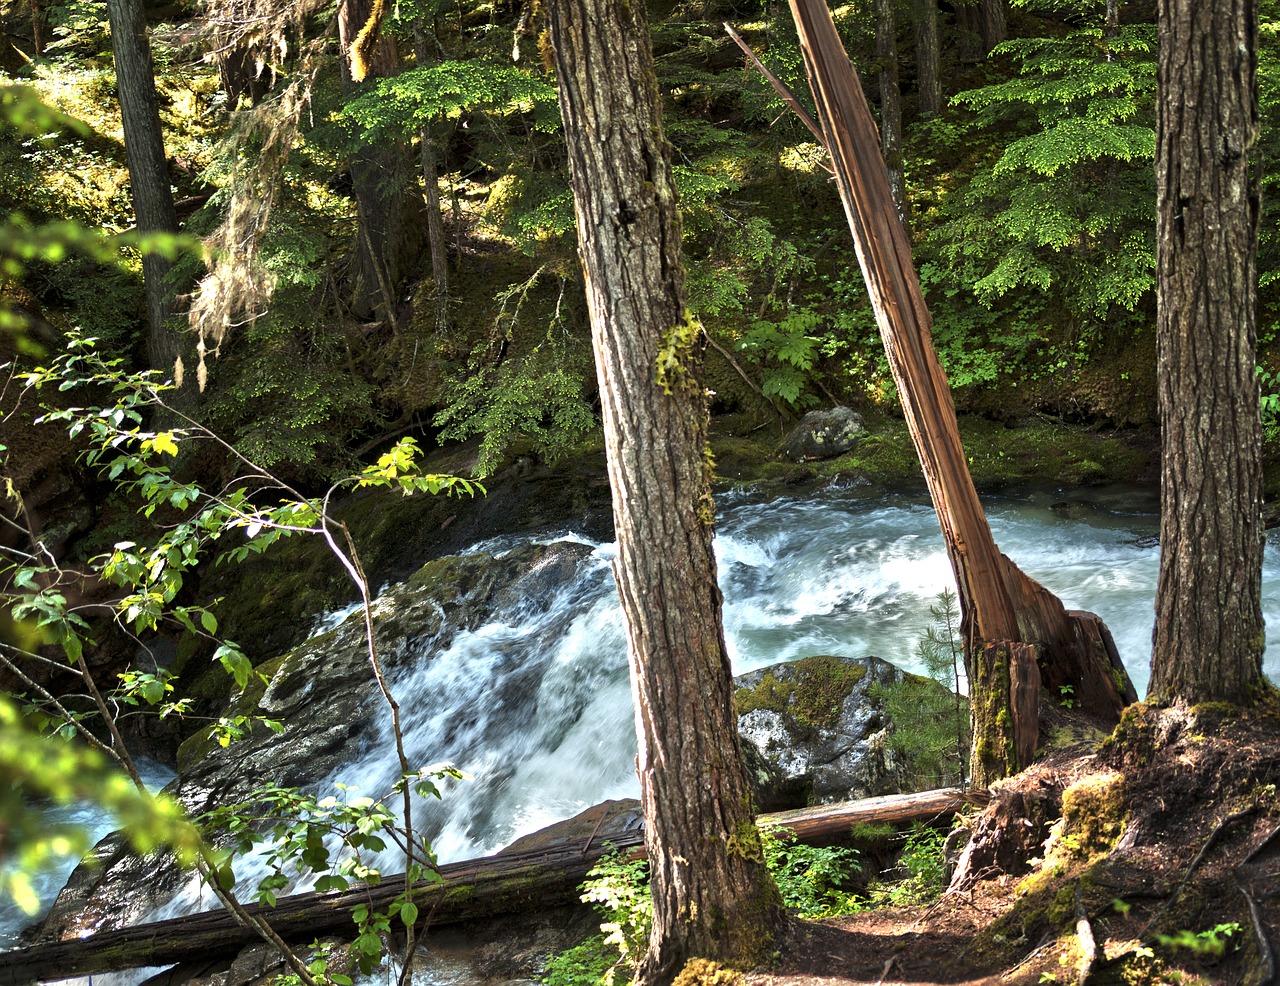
1001 605
1209 632
148 170
712 896
928 58
389 225
890 102
982 25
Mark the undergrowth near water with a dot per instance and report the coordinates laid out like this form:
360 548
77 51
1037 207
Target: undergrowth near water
931 723
815 882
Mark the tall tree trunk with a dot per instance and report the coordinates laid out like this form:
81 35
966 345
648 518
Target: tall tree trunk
389 208
431 192
1209 630
1003 609
712 896
240 74
148 169
890 102
928 71
982 26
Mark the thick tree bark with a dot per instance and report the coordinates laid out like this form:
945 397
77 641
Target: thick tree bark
389 209
1001 605
148 170
712 896
1209 630
928 59
890 102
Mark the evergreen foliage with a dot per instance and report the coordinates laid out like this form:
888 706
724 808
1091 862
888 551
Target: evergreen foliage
1054 228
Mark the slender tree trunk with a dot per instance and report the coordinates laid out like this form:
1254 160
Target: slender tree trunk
1209 629
148 170
1003 609
389 209
890 102
712 896
431 191
39 27
928 71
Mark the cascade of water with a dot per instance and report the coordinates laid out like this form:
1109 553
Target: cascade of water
535 705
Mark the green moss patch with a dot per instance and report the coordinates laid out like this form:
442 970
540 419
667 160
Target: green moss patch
810 691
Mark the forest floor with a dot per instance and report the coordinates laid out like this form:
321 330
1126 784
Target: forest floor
1153 858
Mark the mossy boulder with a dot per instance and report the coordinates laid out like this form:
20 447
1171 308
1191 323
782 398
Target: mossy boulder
817 732
823 434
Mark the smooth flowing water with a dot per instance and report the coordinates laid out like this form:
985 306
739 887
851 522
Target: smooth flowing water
535 706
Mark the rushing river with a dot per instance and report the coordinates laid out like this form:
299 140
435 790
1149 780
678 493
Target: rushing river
535 706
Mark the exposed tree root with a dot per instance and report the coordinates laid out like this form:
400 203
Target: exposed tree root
1266 955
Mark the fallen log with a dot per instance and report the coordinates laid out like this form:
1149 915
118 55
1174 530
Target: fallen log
475 888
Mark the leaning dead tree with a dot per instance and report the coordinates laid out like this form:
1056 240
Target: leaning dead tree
1020 641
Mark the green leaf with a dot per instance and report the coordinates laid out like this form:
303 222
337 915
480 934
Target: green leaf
409 913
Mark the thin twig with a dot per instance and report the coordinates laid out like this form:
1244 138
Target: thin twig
48 696
741 372
591 837
787 95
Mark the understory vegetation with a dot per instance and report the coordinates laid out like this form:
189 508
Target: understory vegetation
815 882
1032 203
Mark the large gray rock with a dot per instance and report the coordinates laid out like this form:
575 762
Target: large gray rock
815 731
823 435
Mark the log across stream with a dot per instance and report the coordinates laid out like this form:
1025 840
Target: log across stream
476 888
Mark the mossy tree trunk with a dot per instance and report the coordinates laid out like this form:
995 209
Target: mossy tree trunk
1002 710
712 895
928 58
1001 605
149 186
1209 633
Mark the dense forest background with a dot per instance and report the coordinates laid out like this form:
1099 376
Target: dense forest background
397 255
